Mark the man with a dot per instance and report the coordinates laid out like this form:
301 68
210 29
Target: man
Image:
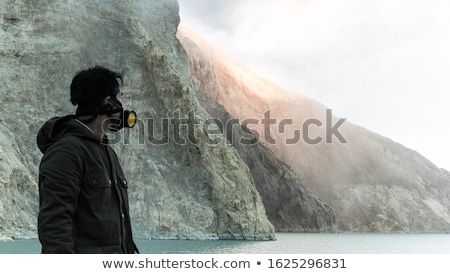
83 199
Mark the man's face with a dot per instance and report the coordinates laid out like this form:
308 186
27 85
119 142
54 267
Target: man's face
119 96
112 102
123 118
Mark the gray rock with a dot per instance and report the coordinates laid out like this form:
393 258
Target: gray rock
18 201
290 205
180 186
372 183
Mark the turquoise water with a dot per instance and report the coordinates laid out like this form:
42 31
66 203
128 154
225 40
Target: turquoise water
286 243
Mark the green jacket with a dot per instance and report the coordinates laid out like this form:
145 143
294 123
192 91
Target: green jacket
83 199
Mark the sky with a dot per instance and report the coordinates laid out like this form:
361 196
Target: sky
384 64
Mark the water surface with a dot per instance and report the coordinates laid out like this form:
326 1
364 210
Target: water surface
286 243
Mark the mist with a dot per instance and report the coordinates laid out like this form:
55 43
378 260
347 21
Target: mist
381 64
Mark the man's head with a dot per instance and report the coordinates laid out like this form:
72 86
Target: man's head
90 87
96 92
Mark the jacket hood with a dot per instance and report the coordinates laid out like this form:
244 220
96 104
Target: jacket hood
58 127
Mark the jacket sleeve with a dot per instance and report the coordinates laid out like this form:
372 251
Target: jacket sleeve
60 179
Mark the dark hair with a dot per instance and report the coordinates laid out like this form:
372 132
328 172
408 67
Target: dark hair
89 87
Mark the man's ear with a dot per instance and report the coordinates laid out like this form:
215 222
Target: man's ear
107 101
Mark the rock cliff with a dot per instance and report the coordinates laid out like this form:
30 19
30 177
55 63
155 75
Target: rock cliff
182 187
372 183
290 205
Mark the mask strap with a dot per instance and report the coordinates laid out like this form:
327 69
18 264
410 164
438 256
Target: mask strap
109 110
105 111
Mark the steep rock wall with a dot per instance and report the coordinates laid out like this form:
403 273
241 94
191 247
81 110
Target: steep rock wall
372 183
290 205
179 189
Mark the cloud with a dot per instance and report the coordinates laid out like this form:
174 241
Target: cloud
211 14
381 64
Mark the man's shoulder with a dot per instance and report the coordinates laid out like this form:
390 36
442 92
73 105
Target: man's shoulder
72 142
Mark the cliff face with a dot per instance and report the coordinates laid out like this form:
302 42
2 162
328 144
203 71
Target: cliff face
290 205
182 187
372 183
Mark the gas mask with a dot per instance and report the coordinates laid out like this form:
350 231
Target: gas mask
127 117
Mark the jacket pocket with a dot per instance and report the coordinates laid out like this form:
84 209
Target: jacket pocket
98 180
98 193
